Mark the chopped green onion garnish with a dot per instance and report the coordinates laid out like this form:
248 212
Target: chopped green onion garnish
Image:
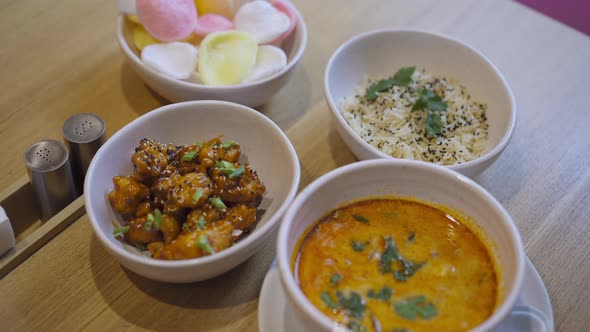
228 145
218 203
148 226
198 194
239 171
201 223
185 226
203 243
225 167
158 218
189 156
141 246
120 231
150 217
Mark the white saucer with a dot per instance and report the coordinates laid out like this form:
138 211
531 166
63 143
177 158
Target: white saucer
532 313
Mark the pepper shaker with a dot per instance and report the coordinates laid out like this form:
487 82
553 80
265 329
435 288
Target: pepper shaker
84 134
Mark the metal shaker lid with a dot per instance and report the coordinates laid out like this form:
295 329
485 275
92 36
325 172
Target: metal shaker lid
46 156
83 128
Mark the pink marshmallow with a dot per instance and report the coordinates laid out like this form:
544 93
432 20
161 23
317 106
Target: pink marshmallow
168 20
286 8
210 23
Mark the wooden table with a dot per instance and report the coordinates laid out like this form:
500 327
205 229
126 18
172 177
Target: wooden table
60 58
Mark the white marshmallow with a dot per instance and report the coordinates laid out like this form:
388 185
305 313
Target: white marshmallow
269 60
128 7
177 59
262 20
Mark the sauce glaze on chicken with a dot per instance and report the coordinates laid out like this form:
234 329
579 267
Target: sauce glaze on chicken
186 201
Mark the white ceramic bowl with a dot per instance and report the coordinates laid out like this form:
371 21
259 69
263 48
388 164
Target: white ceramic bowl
382 52
250 94
263 144
420 180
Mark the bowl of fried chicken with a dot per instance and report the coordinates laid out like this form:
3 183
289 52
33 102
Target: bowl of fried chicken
190 190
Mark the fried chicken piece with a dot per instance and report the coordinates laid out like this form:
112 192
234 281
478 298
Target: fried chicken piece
175 211
155 247
186 188
209 213
159 190
241 216
242 188
139 232
151 159
144 208
126 195
188 161
169 228
190 245
215 150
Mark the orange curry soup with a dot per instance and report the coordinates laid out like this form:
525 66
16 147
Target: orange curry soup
393 264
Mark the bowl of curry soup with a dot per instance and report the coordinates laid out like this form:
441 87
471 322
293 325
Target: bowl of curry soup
399 245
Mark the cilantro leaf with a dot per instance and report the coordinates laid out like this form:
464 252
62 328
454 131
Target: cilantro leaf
433 124
360 218
384 294
389 256
356 326
436 104
414 307
325 296
358 246
375 88
409 270
335 279
353 304
403 77
203 244
120 231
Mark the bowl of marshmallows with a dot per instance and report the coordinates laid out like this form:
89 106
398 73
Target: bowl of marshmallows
234 50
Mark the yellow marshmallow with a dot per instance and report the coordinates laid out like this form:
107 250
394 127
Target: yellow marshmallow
133 18
227 57
220 7
142 38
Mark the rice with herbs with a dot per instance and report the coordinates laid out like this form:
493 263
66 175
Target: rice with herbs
388 123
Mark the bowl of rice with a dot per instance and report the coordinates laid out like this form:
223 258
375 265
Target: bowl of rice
410 94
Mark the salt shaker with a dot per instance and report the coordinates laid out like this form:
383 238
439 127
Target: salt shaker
49 170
